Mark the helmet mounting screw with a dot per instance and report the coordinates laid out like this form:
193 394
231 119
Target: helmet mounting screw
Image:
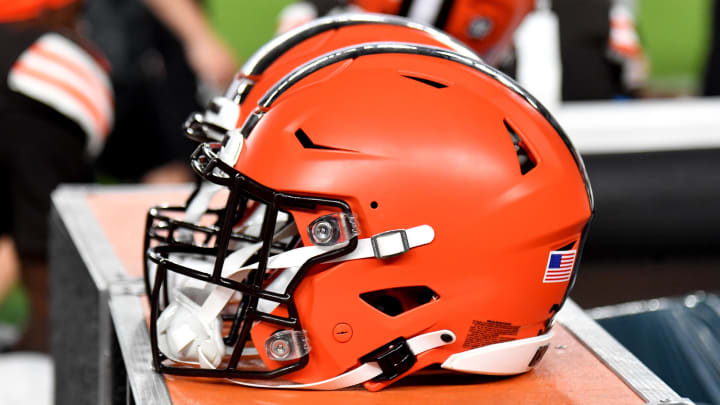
279 349
323 232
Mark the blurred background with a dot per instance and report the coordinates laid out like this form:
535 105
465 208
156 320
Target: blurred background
676 37
636 80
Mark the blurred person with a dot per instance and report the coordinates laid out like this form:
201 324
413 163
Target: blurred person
11 315
162 52
625 47
13 299
602 57
712 72
519 37
595 39
56 105
208 55
9 265
485 26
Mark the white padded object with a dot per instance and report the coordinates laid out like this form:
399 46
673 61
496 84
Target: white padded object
184 339
505 358
417 236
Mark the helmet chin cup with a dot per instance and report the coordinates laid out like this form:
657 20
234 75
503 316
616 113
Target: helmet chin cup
507 358
184 337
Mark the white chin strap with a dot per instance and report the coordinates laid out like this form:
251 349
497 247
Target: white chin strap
252 226
200 203
366 371
184 338
383 245
508 358
191 333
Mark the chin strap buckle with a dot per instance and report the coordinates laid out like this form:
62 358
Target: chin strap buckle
394 359
390 244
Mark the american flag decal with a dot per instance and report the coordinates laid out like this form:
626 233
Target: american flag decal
560 266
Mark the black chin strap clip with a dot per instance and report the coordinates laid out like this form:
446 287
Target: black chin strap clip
394 359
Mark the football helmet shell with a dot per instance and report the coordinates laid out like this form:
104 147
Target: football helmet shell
452 189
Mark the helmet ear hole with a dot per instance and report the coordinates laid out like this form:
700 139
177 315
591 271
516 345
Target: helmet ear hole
388 304
396 301
526 160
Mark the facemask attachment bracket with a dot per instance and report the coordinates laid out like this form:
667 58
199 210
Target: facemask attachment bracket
332 229
213 125
287 345
197 129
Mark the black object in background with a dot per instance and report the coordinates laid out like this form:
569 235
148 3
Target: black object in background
655 203
656 230
712 74
155 89
588 73
323 7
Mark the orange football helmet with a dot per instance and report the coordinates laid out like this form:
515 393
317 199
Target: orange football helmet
486 26
416 207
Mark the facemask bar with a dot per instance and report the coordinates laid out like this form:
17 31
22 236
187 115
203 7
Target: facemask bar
161 227
164 226
209 166
200 130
